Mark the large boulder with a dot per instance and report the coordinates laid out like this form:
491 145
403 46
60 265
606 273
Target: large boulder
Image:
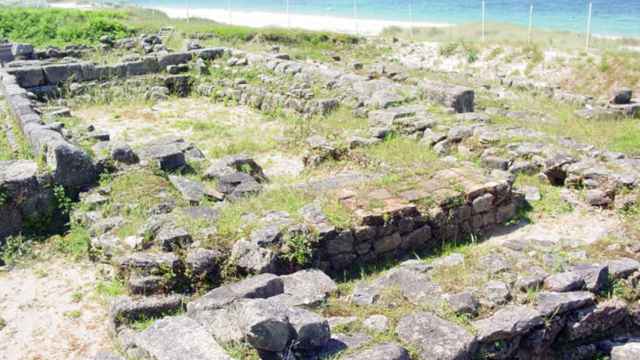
459 98
306 287
72 166
595 320
500 334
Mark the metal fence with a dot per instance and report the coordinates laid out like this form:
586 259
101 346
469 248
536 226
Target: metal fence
409 14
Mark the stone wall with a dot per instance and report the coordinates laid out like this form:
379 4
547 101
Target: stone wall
70 166
38 75
447 208
5 53
26 198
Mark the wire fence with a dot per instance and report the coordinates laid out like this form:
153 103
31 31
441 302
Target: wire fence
486 18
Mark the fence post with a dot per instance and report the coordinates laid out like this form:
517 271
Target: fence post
588 40
483 22
288 15
355 16
530 23
411 18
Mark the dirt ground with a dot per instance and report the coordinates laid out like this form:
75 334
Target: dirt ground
51 312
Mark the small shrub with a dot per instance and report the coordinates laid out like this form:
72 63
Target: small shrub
63 202
112 288
4 196
449 49
299 249
59 27
15 248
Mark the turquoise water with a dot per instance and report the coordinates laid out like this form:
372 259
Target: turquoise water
620 17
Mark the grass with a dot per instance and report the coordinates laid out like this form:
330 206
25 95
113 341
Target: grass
106 289
59 27
550 204
23 150
75 243
241 351
505 34
6 152
16 248
232 224
402 152
133 195
73 314
560 121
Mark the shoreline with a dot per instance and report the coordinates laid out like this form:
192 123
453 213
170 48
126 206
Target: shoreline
259 19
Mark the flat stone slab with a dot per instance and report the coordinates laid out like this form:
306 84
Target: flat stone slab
556 303
435 338
179 338
306 287
382 352
507 323
259 286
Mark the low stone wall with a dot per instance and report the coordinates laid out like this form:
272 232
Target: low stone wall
386 224
70 166
434 212
26 198
56 74
5 53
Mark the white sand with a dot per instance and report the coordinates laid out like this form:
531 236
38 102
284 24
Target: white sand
308 22
265 19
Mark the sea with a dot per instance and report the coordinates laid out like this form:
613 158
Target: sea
609 17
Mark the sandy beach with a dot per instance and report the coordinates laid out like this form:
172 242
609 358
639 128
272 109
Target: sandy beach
265 19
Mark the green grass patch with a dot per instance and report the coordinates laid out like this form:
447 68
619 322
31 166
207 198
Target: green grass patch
550 203
241 351
110 288
75 243
402 152
232 224
59 27
133 195
16 248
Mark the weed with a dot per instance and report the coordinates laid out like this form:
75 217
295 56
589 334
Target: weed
337 214
16 248
232 225
76 296
63 202
143 323
449 49
4 196
299 249
110 288
240 351
75 243
73 314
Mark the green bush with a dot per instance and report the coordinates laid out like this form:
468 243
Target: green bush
59 27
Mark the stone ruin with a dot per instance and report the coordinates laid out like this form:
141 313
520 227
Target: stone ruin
274 309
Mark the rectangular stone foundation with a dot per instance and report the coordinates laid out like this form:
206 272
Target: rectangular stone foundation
447 208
